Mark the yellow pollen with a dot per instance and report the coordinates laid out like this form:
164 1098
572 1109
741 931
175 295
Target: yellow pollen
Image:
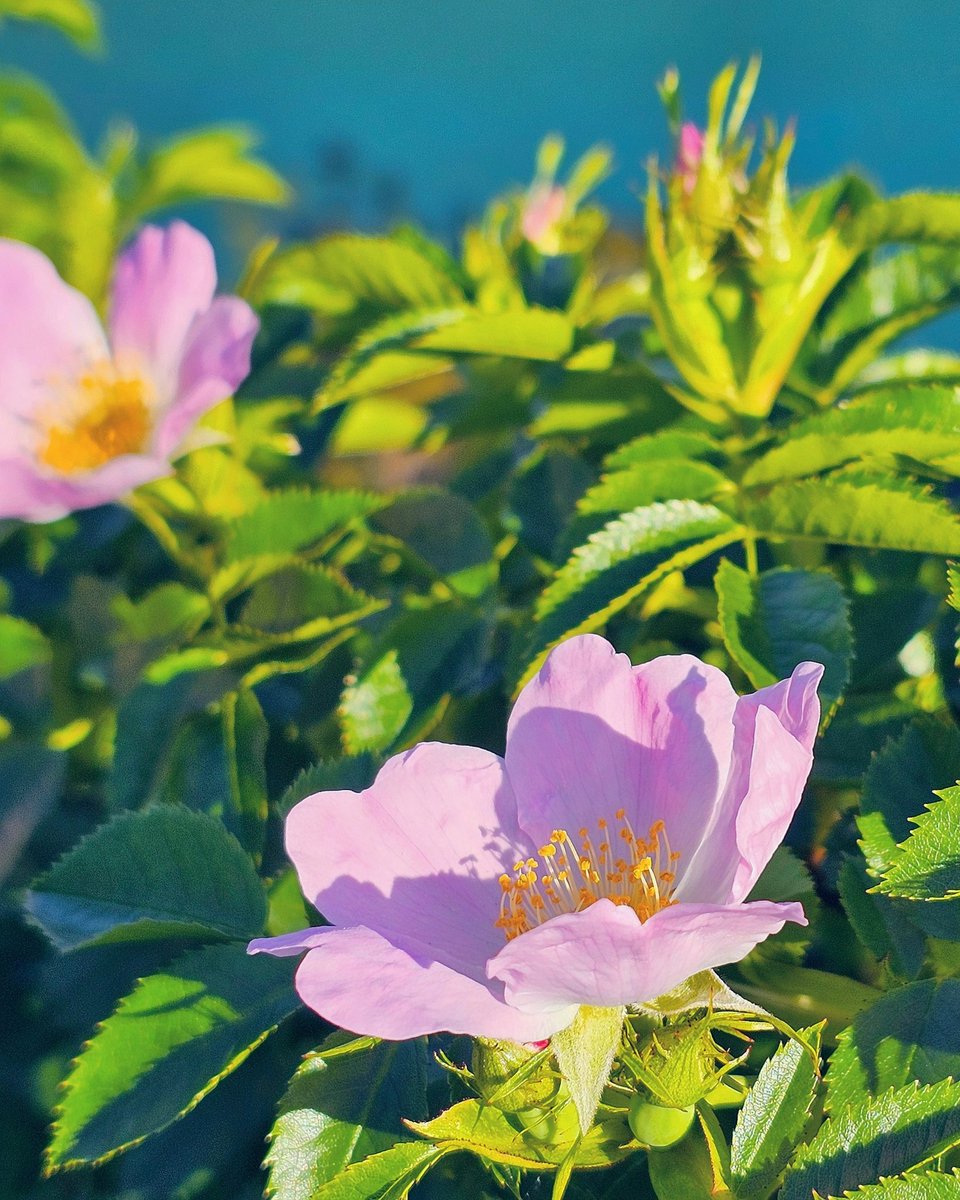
544 888
108 416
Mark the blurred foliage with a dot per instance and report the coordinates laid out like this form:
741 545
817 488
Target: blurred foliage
702 439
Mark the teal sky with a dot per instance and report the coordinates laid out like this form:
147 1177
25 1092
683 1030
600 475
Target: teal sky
427 107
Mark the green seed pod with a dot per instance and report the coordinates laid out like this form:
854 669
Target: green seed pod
656 1126
556 1126
495 1064
728 1094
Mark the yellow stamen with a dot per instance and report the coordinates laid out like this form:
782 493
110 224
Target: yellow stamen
544 889
108 416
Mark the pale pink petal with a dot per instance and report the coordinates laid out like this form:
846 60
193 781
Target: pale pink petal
775 729
360 981
48 335
163 281
33 495
591 734
216 360
418 855
605 956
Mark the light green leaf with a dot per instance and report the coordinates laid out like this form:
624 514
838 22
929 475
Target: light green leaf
494 1135
884 1135
167 1045
773 621
205 164
388 1175
166 872
22 645
878 514
774 1116
620 562
669 444
928 864
646 482
77 19
541 334
914 217
585 1051
291 521
926 1185
348 273
920 422
343 1104
166 611
908 1035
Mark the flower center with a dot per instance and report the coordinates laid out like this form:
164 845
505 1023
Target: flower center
109 417
620 867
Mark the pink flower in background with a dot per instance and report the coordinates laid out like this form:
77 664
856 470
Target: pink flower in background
689 154
542 213
87 416
603 861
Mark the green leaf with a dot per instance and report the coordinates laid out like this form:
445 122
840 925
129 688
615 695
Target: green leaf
543 494
77 19
686 1171
348 273
914 217
22 645
540 334
928 865
919 422
773 621
882 925
873 306
295 520
304 601
344 1104
167 1045
874 513
166 872
167 611
424 657
908 1035
669 444
646 482
620 562
929 1185
493 1135
245 734
388 1175
205 164
884 1135
774 1116
585 1051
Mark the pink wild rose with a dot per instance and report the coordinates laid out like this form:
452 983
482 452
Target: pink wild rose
86 416
542 214
689 154
603 861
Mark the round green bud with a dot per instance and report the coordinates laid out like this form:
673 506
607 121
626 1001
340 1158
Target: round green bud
656 1126
728 1094
556 1126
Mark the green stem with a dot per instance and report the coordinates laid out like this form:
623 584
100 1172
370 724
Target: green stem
148 516
750 551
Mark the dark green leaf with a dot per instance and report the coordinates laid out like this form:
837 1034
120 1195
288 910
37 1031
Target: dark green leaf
543 494
908 1035
166 872
622 561
444 531
773 1117
344 1104
354 773
167 1045
773 621
880 1136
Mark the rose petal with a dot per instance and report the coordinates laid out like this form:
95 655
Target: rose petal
216 360
360 981
163 281
31 495
48 335
591 734
775 728
605 956
418 855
